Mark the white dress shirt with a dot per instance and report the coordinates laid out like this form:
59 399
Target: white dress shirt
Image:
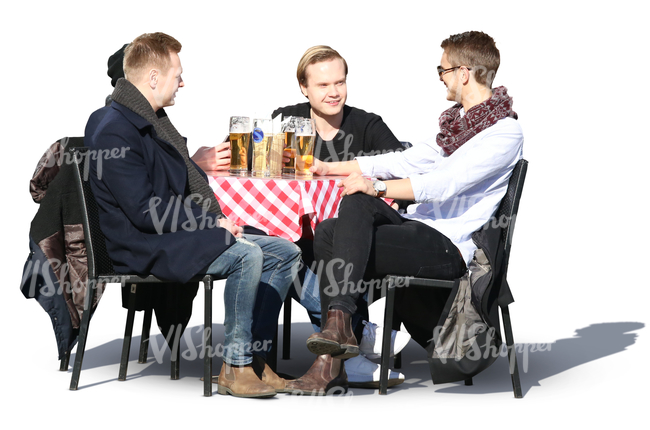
455 194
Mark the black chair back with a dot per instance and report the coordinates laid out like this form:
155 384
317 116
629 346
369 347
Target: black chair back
506 214
99 263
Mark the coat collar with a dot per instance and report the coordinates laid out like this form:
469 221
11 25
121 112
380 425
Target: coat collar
139 122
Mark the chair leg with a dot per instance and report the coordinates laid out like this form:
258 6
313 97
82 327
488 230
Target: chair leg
144 339
83 334
175 354
65 362
385 346
175 370
128 333
512 355
286 329
397 360
207 338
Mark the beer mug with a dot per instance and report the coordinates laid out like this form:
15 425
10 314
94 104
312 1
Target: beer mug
275 155
305 141
289 130
262 140
240 132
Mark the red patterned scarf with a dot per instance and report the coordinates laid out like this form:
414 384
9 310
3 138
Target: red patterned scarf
456 130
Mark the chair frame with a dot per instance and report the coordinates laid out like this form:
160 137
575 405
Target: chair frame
509 208
100 271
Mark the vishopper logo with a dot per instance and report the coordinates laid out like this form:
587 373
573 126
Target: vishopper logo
44 278
502 221
451 208
166 217
344 286
458 206
461 335
328 154
198 352
98 155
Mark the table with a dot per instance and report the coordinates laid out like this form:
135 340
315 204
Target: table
277 205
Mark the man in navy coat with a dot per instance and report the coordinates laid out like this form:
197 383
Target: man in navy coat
155 225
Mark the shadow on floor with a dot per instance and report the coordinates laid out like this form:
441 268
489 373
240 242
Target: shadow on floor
536 361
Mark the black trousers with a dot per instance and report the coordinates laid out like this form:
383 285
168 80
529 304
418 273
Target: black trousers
369 240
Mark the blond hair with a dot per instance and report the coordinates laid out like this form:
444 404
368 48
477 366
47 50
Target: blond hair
316 54
150 50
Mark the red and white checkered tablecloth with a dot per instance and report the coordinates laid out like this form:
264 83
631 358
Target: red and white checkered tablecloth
276 206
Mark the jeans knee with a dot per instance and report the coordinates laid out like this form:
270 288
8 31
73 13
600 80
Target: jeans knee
292 251
253 257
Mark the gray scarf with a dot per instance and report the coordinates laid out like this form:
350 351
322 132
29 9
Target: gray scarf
127 94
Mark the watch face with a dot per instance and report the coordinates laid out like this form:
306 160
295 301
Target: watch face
380 186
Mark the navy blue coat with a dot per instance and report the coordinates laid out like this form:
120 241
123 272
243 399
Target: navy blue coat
141 187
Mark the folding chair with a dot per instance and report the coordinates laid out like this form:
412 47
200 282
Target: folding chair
100 270
508 208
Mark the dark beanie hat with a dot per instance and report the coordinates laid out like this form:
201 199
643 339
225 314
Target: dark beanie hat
116 66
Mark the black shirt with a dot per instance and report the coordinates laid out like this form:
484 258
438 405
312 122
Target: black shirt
361 133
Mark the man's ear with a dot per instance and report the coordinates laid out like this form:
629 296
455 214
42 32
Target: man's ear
153 78
465 76
303 89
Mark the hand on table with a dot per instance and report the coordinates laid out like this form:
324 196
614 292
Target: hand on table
319 167
335 168
213 159
355 183
233 228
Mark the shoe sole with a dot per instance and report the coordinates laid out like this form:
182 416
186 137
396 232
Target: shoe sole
334 391
329 347
374 385
215 381
225 391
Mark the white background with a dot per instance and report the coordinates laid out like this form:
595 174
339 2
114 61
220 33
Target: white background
578 73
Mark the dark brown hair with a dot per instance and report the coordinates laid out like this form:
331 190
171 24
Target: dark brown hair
475 50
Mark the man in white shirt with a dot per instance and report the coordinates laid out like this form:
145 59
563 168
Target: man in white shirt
457 182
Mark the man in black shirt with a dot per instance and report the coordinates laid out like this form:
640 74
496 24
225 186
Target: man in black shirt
343 133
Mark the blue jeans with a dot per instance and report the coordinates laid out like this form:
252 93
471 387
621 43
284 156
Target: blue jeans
305 291
259 272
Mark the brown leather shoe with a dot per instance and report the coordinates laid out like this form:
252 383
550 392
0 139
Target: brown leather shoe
268 376
326 376
336 338
242 382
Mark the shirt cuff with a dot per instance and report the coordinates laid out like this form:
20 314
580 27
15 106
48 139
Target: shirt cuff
366 165
418 183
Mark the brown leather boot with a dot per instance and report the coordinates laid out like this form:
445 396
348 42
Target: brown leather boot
326 376
336 338
242 382
268 376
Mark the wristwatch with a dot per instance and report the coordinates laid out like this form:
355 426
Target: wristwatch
380 188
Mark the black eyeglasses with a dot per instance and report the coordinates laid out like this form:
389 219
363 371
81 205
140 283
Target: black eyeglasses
442 71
